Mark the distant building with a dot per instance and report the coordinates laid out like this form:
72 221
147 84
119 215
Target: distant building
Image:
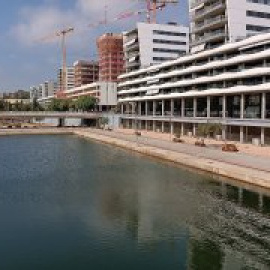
215 22
85 72
35 92
70 83
150 44
111 57
46 89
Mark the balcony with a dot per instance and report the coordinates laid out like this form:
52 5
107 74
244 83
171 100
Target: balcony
210 10
213 36
211 23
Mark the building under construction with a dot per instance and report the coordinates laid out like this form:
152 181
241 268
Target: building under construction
111 56
85 72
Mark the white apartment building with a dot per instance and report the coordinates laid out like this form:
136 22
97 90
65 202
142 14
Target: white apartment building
150 44
215 22
229 85
70 79
48 88
35 92
44 90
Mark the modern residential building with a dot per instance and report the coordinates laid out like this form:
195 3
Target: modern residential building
229 85
85 72
70 80
150 44
111 57
214 22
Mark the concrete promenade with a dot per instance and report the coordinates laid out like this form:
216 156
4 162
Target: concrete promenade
243 167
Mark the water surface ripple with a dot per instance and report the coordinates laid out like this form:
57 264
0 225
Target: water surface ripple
67 203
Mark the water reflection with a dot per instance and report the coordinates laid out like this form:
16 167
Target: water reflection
90 206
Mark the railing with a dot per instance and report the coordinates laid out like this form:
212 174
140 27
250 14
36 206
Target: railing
209 9
210 22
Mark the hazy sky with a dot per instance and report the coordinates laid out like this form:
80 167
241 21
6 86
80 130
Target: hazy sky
26 61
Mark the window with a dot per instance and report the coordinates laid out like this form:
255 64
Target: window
257 28
263 2
168 50
257 14
173 42
168 33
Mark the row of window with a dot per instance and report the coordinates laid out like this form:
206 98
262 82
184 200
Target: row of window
168 50
163 58
263 2
257 28
172 42
257 14
169 33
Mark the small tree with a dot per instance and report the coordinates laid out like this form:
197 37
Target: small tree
103 121
86 103
203 132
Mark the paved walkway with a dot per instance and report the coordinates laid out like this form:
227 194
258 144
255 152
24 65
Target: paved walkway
239 159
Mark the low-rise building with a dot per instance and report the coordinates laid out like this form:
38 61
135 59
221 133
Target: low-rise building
229 85
104 92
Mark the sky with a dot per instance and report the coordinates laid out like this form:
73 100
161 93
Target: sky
26 59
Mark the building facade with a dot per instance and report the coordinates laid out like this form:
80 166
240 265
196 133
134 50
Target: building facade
104 92
70 80
110 57
85 72
215 22
229 85
150 44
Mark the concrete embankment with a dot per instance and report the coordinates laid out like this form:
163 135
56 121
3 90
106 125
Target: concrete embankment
241 173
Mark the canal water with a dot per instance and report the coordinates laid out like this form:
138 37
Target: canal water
68 203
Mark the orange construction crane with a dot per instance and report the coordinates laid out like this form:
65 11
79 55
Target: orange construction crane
154 5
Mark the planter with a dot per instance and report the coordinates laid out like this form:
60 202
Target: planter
229 148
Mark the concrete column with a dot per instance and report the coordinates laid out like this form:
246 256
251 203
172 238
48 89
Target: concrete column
224 105
224 133
139 108
146 108
162 127
162 107
122 108
208 107
241 134
263 105
172 107
172 128
182 107
195 107
182 129
154 107
154 125
194 129
146 125
262 136
242 106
